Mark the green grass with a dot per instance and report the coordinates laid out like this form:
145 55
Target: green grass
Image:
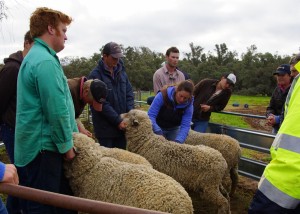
230 120
250 100
238 121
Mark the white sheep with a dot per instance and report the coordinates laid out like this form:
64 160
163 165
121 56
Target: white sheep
125 156
94 176
197 168
228 147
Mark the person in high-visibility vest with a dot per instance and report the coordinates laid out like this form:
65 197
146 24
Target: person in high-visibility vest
279 187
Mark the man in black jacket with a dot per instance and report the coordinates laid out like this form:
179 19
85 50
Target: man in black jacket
8 94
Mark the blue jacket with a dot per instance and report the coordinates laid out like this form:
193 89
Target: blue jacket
2 170
158 103
120 99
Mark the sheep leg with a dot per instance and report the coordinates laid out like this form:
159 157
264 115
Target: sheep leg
213 195
234 179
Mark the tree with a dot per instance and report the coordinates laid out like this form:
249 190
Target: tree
3 9
195 56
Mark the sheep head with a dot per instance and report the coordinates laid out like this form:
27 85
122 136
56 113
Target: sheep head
136 119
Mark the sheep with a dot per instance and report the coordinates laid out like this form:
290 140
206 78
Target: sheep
95 176
124 156
228 147
199 169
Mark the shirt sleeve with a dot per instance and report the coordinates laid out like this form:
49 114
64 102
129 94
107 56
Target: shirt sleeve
2 170
52 89
185 123
154 110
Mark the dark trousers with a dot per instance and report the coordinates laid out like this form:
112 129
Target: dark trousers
113 142
262 205
45 172
14 205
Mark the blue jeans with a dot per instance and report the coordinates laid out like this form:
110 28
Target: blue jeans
45 172
262 205
171 133
14 205
200 125
2 208
113 142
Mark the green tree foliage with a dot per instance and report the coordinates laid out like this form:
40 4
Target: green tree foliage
253 69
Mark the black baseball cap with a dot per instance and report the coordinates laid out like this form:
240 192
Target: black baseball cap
99 91
113 49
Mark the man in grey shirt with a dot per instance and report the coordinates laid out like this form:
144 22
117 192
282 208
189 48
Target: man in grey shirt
168 74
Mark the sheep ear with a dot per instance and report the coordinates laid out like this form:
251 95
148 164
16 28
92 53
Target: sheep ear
135 122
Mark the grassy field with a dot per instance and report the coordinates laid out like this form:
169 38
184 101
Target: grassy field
237 121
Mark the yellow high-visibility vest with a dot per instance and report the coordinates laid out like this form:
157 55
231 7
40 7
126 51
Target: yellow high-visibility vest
281 179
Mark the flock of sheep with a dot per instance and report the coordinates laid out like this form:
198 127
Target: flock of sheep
155 173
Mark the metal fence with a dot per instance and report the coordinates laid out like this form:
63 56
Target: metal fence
248 139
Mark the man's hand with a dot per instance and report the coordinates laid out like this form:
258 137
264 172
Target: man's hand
70 155
204 107
271 120
122 126
10 174
86 132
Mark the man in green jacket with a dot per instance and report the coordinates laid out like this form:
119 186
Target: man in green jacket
45 112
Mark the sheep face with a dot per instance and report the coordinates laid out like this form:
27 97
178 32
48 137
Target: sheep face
135 118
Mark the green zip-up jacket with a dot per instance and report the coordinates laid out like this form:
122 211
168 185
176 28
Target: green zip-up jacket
45 112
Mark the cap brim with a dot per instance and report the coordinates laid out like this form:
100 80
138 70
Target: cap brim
97 106
229 81
280 73
117 55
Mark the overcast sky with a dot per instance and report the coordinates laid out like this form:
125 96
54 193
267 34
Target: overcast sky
272 25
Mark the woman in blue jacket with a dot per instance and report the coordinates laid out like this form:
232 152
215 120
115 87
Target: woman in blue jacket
171 111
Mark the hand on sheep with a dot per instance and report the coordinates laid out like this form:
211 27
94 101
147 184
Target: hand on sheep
70 155
122 125
86 132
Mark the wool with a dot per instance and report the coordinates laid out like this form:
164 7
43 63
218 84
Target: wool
228 147
197 168
95 174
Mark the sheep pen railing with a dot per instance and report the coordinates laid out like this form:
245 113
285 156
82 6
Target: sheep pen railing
70 202
254 140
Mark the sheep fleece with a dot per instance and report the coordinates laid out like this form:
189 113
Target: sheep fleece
197 168
227 146
94 176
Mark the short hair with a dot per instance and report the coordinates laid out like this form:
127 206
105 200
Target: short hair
27 37
186 85
173 50
42 17
295 58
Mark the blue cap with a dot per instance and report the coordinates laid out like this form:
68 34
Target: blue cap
282 69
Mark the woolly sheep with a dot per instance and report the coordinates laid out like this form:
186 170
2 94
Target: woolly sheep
125 156
94 176
200 168
227 146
